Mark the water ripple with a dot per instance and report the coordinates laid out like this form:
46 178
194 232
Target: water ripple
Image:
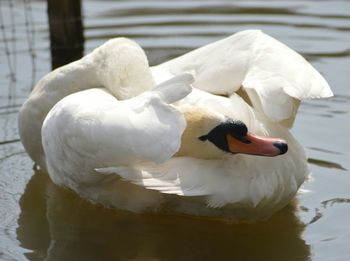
326 164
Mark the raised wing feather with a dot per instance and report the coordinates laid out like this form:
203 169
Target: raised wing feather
176 88
280 77
274 76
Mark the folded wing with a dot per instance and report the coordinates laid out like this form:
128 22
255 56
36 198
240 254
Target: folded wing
91 128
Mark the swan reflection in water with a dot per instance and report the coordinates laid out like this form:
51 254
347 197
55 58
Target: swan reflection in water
56 224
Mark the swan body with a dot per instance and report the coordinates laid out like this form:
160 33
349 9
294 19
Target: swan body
104 67
138 138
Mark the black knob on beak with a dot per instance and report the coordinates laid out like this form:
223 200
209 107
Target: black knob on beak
282 146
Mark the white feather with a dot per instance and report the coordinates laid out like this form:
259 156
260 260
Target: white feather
132 133
176 88
91 128
274 75
227 180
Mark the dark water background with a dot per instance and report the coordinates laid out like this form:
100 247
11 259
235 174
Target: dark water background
40 221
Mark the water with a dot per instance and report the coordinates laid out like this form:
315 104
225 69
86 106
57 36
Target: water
39 220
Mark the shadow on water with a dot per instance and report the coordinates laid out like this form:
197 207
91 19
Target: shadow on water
58 225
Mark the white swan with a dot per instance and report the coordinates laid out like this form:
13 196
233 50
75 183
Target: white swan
126 146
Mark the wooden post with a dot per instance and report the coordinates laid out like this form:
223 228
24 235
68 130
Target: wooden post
66 31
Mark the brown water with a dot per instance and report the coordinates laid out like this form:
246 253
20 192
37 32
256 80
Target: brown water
40 221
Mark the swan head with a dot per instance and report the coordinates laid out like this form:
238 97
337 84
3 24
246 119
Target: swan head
211 135
122 67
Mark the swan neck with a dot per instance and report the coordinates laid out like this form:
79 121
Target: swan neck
71 78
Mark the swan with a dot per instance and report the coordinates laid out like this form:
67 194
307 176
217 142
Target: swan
140 138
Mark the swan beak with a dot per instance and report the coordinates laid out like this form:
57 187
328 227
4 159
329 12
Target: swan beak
256 145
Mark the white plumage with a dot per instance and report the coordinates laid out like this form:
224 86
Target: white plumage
92 128
133 146
274 76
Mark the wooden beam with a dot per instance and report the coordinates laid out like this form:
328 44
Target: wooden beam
66 31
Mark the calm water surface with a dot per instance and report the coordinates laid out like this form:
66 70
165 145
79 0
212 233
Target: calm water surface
40 221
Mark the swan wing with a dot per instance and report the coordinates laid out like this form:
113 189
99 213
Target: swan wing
92 128
220 181
278 78
175 89
152 126
178 176
274 76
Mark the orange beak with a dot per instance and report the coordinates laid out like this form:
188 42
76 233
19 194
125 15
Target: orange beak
257 145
